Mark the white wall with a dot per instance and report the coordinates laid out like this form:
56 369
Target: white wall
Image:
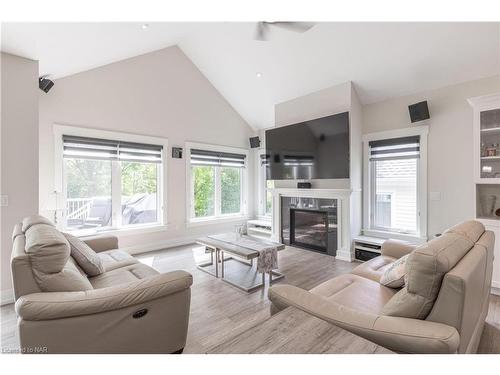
157 94
19 152
450 154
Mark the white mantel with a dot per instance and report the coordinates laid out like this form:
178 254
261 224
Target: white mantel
345 203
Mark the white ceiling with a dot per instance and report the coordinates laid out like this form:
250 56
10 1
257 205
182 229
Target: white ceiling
382 59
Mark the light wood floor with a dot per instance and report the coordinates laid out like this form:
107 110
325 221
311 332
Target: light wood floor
220 312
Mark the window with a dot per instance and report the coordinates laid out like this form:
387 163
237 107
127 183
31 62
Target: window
217 183
395 190
110 184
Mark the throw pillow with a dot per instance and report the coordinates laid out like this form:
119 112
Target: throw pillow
394 276
86 258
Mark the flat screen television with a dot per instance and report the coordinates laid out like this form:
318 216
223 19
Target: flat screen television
314 149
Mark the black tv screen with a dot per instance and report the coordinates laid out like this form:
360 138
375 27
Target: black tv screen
315 149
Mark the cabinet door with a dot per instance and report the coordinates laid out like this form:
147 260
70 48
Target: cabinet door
495 282
489 137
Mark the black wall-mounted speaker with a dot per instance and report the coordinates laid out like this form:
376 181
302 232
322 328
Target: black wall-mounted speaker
419 111
177 152
254 142
45 84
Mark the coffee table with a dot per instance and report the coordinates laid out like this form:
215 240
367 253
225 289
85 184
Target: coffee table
220 249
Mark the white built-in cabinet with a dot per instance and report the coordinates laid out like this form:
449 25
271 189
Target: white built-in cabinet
487 170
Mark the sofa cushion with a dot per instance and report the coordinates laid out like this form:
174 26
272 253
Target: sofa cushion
47 248
471 229
123 275
86 258
18 231
394 275
69 279
355 292
373 269
426 267
113 259
33 220
49 254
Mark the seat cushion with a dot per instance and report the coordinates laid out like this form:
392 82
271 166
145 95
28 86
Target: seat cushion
47 248
113 259
355 292
86 258
373 269
122 275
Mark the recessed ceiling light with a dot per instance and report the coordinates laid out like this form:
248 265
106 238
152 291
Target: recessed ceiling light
258 74
144 26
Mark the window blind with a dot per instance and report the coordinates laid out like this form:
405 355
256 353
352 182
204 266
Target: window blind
264 159
106 149
395 148
216 158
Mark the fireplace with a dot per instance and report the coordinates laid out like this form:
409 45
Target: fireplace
310 223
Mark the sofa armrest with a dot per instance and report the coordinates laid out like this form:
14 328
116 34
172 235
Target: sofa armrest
55 305
102 243
395 333
396 249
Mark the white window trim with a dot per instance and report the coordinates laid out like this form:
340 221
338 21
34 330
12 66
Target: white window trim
59 183
190 220
262 188
421 235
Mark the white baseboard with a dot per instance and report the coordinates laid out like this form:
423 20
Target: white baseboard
344 255
139 249
7 297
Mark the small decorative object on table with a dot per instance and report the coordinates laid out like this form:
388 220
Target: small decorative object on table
241 230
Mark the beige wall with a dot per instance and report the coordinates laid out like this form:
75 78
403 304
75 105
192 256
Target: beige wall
19 151
450 157
157 94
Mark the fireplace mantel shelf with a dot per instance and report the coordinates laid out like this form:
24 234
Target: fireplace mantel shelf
313 193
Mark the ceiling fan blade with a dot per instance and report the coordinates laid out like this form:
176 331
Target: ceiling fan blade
298 27
261 31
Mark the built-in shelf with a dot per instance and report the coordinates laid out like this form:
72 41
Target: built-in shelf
490 157
491 130
486 135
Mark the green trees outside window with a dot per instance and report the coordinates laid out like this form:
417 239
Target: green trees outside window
138 178
204 190
88 178
205 195
230 181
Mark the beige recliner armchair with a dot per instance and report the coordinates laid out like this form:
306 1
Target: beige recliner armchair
441 309
130 308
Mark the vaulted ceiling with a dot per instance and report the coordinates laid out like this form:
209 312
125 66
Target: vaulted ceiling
382 59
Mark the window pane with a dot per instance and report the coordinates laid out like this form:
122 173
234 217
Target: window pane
204 190
230 190
139 193
88 187
395 205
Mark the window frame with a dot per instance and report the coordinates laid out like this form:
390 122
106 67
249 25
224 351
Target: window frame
369 185
218 217
116 226
262 188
